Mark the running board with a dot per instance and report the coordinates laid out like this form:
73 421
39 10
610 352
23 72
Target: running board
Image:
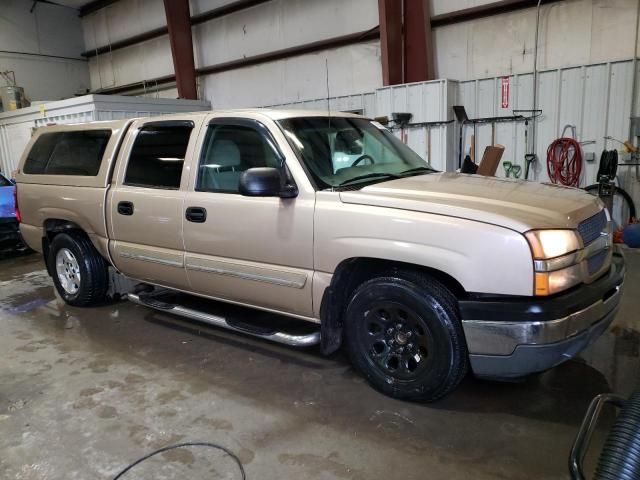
301 340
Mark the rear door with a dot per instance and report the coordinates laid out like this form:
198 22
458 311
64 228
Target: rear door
146 203
251 250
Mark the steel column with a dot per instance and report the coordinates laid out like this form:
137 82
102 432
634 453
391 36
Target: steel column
418 46
390 12
179 25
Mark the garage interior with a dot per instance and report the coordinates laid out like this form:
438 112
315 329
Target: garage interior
539 91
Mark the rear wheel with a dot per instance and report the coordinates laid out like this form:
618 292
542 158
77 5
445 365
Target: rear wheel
79 271
404 334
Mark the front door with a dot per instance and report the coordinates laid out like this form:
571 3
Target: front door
256 251
146 202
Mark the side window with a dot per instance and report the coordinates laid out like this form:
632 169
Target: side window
228 151
68 153
157 155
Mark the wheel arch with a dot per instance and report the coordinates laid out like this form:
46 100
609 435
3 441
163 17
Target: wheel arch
55 226
352 272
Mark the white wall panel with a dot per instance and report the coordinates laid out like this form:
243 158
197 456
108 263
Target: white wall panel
438 7
47 30
148 59
120 20
572 33
268 27
280 24
352 69
594 98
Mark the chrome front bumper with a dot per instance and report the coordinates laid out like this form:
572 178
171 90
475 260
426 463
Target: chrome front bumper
507 348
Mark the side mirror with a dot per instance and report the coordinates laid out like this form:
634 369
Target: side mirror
265 182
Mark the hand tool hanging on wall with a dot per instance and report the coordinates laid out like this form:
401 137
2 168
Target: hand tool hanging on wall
529 157
510 168
462 118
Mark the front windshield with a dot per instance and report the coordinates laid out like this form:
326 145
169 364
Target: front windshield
340 151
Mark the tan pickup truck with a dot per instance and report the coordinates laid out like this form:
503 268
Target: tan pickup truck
333 221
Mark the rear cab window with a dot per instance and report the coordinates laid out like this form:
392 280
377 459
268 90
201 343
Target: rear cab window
68 153
80 155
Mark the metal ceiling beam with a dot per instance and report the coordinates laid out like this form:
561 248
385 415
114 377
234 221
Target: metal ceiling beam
390 13
95 6
179 25
307 48
482 11
160 31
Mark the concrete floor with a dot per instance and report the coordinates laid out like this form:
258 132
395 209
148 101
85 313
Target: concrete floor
83 392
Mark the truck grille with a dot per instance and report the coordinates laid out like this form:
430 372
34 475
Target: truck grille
595 262
591 228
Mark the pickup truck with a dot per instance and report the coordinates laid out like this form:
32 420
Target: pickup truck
333 221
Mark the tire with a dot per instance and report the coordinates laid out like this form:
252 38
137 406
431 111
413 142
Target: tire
620 457
593 189
385 314
82 278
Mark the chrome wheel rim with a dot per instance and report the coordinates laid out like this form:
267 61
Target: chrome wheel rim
68 271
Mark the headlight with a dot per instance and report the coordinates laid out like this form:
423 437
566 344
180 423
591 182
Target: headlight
547 244
555 258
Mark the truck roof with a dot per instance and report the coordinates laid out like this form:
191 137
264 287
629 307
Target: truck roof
273 114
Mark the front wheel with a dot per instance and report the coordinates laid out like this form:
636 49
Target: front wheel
404 334
79 272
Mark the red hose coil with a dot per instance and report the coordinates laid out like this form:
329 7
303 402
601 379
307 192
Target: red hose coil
564 161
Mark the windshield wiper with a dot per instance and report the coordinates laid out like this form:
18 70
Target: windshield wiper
369 175
417 170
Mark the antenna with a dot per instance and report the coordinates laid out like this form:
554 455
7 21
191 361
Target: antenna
326 65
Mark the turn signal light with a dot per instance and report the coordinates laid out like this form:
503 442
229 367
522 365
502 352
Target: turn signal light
548 283
15 203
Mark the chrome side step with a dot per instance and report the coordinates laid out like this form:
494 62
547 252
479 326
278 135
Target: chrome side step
302 340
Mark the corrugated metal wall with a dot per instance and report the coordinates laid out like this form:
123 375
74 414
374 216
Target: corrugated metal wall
594 98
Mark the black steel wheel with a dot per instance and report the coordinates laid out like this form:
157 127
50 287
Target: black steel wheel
397 339
404 334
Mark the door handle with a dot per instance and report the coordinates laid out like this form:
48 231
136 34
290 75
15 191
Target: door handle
196 214
125 208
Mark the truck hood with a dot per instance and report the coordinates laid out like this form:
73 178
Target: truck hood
516 204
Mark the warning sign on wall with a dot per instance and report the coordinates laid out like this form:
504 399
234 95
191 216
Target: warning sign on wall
505 92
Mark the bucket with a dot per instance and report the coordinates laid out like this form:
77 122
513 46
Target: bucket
12 98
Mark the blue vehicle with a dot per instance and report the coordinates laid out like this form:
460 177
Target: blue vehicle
9 232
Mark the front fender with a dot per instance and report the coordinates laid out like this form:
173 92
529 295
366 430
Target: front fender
483 258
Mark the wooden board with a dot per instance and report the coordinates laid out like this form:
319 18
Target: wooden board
490 160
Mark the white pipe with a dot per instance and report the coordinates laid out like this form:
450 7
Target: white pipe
634 88
535 80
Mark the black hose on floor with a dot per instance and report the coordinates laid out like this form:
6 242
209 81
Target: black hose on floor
182 445
620 457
